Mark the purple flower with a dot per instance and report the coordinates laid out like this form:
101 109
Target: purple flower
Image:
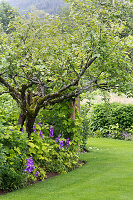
30 166
67 143
57 139
22 130
61 144
51 133
41 134
39 123
37 173
35 129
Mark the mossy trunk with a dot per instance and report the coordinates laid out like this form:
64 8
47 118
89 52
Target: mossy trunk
30 120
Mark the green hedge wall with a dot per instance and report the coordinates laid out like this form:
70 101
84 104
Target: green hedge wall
106 114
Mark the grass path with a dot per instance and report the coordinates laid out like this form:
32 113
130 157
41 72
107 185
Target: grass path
108 175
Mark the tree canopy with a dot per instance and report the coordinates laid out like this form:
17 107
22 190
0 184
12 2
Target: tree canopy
46 62
7 13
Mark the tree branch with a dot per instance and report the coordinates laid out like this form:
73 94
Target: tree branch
12 91
75 82
4 92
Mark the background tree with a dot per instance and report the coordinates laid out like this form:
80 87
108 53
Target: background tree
43 62
7 13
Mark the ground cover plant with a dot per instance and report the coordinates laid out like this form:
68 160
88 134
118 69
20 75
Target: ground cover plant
106 175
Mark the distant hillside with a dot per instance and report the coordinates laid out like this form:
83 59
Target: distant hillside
49 6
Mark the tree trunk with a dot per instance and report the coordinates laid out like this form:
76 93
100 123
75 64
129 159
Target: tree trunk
21 120
72 106
30 120
77 104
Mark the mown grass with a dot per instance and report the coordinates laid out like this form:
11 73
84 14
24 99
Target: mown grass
108 175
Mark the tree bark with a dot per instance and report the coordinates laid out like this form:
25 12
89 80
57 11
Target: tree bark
30 120
77 104
21 120
22 116
72 106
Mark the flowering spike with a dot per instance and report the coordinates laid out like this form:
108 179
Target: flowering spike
41 134
30 166
67 143
37 173
61 144
51 133
35 129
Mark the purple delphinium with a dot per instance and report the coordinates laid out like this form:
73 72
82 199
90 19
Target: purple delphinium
29 166
51 133
35 129
41 134
67 143
37 173
39 123
61 144
57 139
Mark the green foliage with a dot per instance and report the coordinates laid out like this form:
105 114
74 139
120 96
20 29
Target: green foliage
13 150
110 114
9 111
112 120
44 62
59 116
48 156
57 59
11 179
7 14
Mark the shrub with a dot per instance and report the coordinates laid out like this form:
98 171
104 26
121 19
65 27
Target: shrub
12 179
9 111
52 153
112 120
53 147
59 116
13 149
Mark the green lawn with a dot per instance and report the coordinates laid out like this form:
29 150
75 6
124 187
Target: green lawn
108 175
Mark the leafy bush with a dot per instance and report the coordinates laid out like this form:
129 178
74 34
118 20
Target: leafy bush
12 179
13 149
52 153
112 120
59 116
52 147
9 111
